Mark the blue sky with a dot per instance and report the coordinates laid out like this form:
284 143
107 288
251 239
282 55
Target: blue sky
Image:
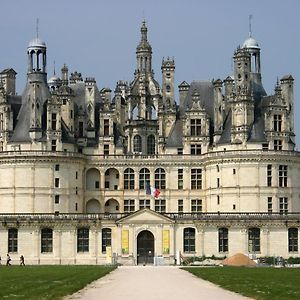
99 38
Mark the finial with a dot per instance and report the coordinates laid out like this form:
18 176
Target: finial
37 27
54 68
250 29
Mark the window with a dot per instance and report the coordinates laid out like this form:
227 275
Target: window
269 175
97 184
1 122
53 145
277 123
144 178
283 205
270 205
56 167
12 240
196 205
254 240
106 127
195 149
106 239
179 151
56 182
293 239
218 182
233 206
233 171
71 114
189 240
160 205
223 239
195 125
53 122
129 205
46 240
218 200
76 206
277 145
196 179
82 240
106 149
180 179
180 205
160 179
151 145
76 175
137 144
80 129
282 176
56 200
144 203
265 146
129 179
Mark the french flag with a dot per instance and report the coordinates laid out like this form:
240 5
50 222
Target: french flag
150 190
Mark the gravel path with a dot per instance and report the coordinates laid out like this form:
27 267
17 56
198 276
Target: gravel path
150 282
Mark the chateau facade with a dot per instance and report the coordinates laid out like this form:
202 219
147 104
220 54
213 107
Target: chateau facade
75 161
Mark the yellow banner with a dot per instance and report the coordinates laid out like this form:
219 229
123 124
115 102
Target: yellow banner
166 242
108 255
125 241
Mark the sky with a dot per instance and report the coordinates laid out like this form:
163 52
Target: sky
99 38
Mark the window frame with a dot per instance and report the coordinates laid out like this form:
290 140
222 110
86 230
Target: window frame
46 240
105 239
223 239
83 237
12 240
129 179
189 240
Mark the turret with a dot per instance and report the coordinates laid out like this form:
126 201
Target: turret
168 71
218 109
183 91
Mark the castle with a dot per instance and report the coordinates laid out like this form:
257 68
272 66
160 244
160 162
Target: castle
76 160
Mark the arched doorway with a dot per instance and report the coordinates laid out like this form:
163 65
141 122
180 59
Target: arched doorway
145 247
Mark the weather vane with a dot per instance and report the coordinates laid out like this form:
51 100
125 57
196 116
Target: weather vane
37 27
250 30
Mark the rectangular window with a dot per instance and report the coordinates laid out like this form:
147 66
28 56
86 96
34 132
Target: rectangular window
129 179
233 171
282 175
218 182
129 205
277 145
53 122
106 127
106 239
12 240
71 114
265 146
76 175
277 123
46 240
254 240
189 240
180 179
106 149
293 239
53 145
56 167
80 129
283 205
76 206
56 182
196 179
269 175
270 205
1 122
195 125
160 205
223 239
56 201
180 205
179 151
218 200
144 203
195 149
82 240
196 205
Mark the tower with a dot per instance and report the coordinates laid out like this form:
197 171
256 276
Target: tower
168 71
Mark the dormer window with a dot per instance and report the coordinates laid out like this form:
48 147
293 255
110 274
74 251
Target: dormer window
195 125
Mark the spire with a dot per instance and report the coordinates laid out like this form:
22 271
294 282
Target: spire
54 68
250 29
144 32
37 28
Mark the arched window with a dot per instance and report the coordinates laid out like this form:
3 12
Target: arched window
223 239
189 240
12 240
92 179
160 179
144 178
129 179
254 240
151 144
137 144
46 240
293 239
106 239
82 240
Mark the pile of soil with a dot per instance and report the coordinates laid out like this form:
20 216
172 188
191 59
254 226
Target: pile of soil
238 260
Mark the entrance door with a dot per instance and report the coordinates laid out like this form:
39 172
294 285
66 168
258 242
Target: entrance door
145 247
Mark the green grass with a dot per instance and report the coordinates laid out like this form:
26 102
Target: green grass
46 282
257 283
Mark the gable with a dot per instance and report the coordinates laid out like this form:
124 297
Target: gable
145 216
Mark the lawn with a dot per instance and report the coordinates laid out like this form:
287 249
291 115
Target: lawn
46 282
257 283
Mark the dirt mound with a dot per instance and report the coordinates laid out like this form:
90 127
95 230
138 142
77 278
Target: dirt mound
239 259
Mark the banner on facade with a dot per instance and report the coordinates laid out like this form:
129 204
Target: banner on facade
125 241
166 242
108 255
